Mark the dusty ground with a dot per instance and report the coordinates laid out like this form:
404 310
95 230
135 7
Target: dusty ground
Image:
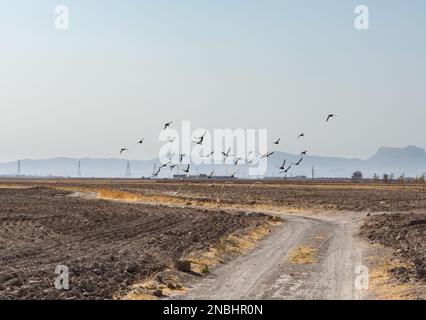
107 246
284 195
311 256
406 234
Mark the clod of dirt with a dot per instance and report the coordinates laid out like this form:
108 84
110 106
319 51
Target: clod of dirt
132 267
158 293
183 265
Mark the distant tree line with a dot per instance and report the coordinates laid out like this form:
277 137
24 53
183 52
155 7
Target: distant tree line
357 176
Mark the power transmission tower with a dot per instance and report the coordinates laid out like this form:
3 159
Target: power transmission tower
79 170
19 172
128 171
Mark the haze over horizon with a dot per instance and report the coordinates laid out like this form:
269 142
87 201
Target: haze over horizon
124 68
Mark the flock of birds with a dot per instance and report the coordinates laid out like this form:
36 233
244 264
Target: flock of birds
225 155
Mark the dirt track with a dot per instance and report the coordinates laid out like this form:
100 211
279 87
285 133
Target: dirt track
269 273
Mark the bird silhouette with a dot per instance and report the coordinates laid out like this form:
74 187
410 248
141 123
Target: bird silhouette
237 160
283 165
300 135
168 124
286 170
278 141
187 169
226 154
164 165
298 162
171 139
170 156
141 141
123 150
266 155
209 155
303 153
200 139
155 174
331 115
251 161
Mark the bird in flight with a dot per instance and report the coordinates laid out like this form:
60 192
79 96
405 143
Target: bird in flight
187 169
123 150
237 160
251 161
168 124
141 141
170 156
210 175
155 174
209 155
283 165
226 154
267 155
298 162
200 139
278 141
300 135
286 170
303 153
331 115
171 139
164 165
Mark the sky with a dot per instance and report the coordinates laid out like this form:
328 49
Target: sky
126 67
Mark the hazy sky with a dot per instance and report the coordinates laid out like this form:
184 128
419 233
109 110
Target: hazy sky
125 67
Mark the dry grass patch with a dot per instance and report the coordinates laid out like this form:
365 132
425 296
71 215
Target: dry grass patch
304 255
235 244
384 285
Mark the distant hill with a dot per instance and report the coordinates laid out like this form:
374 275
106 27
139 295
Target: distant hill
410 161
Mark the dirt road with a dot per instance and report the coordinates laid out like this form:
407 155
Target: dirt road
268 272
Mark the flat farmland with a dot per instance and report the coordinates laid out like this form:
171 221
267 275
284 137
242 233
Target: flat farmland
120 238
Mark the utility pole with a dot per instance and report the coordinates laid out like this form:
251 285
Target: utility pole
79 169
19 172
128 171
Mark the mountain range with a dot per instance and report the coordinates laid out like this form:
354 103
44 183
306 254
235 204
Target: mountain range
410 161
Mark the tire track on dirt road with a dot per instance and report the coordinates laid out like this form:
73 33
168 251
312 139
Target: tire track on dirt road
267 273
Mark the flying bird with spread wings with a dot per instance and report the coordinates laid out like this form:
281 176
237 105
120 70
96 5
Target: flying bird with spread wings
266 155
187 169
283 165
331 115
168 124
298 162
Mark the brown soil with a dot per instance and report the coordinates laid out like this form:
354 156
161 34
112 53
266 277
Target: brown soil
286 196
108 246
406 234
